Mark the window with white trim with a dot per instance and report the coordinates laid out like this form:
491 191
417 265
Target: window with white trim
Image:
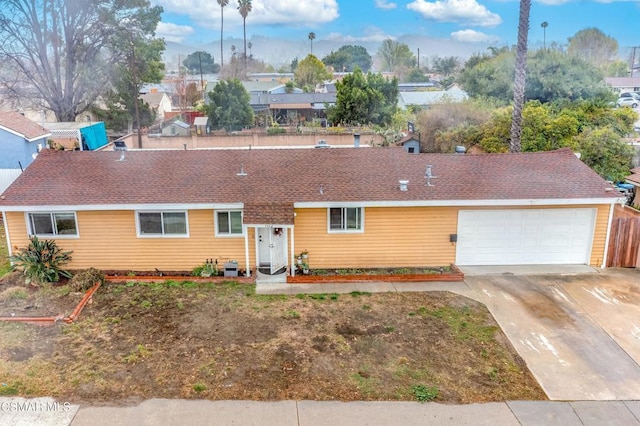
345 219
59 224
229 223
162 224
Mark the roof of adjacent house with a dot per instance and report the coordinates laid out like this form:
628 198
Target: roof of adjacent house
153 98
18 124
634 177
369 176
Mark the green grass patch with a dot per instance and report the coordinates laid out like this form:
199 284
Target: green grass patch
367 385
465 324
424 393
199 387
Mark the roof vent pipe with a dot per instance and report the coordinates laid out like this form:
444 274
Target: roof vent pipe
403 185
356 140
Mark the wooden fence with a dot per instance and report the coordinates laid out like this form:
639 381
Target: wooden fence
624 242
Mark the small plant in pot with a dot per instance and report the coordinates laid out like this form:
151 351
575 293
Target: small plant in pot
304 267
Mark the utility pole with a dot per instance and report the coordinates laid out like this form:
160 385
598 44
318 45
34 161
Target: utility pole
633 60
418 58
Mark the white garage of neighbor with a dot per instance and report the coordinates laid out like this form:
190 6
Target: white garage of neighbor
525 236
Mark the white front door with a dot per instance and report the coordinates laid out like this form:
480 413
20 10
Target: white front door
272 248
525 236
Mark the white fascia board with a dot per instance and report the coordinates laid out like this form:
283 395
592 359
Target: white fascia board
112 207
13 132
46 135
460 203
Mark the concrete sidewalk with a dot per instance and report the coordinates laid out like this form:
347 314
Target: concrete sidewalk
316 413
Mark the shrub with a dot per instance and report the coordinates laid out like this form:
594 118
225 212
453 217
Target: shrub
86 279
41 261
424 393
208 269
276 130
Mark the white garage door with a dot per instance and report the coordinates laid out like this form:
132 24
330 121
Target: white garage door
525 237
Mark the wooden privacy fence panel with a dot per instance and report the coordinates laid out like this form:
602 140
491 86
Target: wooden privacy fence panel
624 242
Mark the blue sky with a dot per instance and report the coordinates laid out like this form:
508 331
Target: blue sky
467 22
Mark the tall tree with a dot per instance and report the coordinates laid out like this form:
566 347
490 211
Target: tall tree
244 7
361 99
200 61
64 52
223 4
309 72
520 76
312 36
144 64
446 66
348 57
230 106
593 46
395 55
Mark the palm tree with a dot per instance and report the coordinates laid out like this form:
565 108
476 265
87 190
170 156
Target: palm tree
222 4
520 77
312 36
244 7
544 26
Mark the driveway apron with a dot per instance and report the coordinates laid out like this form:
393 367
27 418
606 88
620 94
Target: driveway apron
579 335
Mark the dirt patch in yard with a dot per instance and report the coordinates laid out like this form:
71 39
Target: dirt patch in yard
222 341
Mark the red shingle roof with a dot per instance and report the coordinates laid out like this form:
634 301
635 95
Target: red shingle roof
76 178
21 125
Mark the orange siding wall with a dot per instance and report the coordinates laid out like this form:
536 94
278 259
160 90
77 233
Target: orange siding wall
108 241
399 237
599 235
393 237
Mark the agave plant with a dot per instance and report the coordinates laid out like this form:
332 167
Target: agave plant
41 261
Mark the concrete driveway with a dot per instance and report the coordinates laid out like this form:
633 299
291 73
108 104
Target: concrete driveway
579 334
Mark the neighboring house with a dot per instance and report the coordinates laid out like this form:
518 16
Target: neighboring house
415 87
427 98
20 141
289 108
175 127
410 143
623 84
159 103
280 89
280 77
348 207
634 179
86 136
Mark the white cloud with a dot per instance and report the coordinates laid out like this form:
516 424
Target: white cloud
468 12
300 13
371 34
173 32
382 4
471 36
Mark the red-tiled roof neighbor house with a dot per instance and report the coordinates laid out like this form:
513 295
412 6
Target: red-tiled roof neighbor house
348 207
